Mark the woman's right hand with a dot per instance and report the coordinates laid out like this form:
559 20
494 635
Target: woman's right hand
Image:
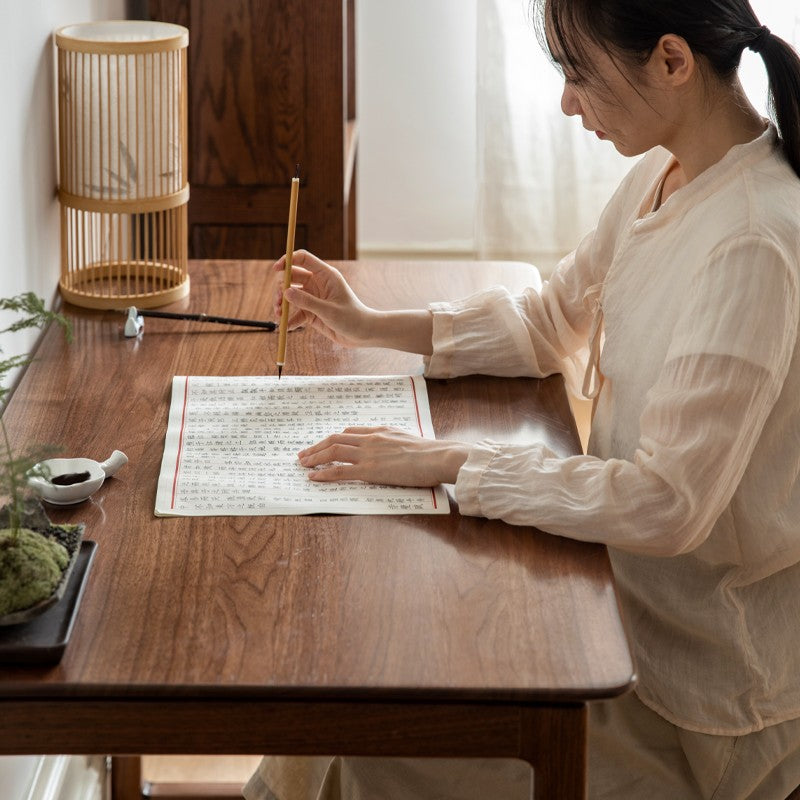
320 298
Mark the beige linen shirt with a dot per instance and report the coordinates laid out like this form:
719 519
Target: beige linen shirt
694 455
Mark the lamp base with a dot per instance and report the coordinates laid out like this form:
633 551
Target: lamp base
120 284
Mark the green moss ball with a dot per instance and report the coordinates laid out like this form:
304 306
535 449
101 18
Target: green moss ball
30 569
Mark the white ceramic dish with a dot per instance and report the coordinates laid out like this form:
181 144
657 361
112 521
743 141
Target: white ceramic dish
73 480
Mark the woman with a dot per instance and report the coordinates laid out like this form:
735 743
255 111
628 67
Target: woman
685 298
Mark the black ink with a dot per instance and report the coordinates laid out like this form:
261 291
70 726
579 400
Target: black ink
70 478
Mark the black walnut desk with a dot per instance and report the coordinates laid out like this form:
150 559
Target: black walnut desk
407 635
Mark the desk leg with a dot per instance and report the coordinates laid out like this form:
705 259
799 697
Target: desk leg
554 741
126 778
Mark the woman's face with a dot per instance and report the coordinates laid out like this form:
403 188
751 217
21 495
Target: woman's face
615 102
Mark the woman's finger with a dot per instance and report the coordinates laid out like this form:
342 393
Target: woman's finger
299 275
328 442
303 259
344 453
362 429
335 472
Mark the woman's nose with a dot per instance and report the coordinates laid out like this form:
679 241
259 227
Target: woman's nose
570 104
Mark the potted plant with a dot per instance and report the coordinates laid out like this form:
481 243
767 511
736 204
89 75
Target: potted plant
35 556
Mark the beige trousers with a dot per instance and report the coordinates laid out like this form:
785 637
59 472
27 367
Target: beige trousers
634 754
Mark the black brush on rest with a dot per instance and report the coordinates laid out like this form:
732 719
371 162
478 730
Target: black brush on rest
134 322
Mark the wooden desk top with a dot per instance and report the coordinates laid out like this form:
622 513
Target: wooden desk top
348 607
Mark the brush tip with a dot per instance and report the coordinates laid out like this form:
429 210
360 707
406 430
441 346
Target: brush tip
280 369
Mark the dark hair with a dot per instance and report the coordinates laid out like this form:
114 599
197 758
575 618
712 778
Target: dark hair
718 30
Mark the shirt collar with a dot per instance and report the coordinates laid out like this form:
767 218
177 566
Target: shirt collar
737 159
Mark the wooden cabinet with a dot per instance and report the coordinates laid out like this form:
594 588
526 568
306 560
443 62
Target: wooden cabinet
271 84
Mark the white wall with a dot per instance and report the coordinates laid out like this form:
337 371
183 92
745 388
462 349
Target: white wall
416 110
29 226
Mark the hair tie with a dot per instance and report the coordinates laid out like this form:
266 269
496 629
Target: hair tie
760 39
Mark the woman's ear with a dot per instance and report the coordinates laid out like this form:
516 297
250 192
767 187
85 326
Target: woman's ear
672 61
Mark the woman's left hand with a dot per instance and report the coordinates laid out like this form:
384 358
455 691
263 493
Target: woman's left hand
386 456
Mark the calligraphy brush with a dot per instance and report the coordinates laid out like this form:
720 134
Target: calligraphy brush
287 271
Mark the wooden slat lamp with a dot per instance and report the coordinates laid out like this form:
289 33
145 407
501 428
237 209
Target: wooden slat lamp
123 178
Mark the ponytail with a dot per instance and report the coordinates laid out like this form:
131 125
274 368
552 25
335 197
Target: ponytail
783 72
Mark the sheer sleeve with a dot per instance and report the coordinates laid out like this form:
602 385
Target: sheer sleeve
533 334
724 370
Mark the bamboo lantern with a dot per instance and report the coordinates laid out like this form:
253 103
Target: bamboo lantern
122 145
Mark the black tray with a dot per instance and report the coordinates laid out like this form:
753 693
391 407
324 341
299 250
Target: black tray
43 639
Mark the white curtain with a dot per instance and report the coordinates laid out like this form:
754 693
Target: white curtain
542 179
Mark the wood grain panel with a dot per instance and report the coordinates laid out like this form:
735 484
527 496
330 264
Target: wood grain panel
175 11
223 240
248 91
271 84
